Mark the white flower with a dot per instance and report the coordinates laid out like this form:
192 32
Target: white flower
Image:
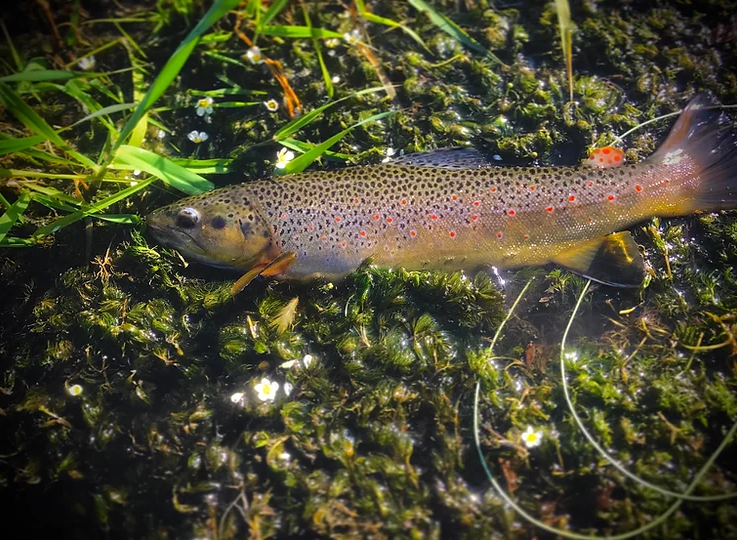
352 37
331 43
237 398
288 364
283 157
272 105
204 106
161 134
532 438
197 136
254 55
136 172
335 79
307 360
266 389
75 390
87 63
288 388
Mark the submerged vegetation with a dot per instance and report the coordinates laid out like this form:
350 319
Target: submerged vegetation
141 398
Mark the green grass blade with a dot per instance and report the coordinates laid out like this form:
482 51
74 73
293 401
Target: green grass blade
300 163
299 32
452 29
394 24
8 146
120 219
563 8
13 51
132 157
172 68
13 214
316 44
23 112
274 9
110 109
47 75
95 208
14 242
225 59
302 147
204 166
298 123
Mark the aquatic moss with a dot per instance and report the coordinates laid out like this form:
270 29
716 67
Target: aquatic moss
374 437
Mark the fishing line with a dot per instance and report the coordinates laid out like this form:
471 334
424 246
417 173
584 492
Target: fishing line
576 536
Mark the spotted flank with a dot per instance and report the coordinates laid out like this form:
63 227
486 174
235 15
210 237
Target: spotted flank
450 210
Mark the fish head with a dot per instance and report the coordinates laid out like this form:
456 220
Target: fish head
215 230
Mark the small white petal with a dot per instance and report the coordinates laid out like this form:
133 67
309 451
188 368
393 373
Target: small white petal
307 360
288 388
75 390
237 397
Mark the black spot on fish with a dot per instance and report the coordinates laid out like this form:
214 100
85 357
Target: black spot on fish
218 222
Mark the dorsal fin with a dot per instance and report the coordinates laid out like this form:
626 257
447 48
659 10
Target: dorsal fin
446 158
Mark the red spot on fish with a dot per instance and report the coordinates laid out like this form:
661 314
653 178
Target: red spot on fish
433 217
493 190
422 202
342 244
511 212
591 184
324 238
337 220
310 227
666 181
362 233
532 188
572 198
454 197
283 216
526 236
389 220
404 201
549 209
610 197
355 201
412 233
498 235
452 234
606 157
376 216
590 220
638 188
476 203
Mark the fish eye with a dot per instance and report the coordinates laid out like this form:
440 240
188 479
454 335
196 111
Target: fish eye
187 218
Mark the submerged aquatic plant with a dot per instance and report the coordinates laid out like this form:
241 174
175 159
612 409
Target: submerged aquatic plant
169 432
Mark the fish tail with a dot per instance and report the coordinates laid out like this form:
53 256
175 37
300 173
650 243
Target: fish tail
706 136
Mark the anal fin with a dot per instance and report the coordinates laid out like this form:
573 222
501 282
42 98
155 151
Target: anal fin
612 260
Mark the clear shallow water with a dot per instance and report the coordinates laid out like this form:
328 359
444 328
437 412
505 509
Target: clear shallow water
130 398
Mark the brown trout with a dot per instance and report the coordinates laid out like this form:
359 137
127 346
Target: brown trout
452 210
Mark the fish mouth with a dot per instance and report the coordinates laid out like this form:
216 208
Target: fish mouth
192 248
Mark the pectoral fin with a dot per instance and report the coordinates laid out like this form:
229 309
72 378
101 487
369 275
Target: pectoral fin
612 260
280 264
275 267
246 278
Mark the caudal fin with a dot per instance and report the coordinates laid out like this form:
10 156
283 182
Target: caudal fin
707 137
